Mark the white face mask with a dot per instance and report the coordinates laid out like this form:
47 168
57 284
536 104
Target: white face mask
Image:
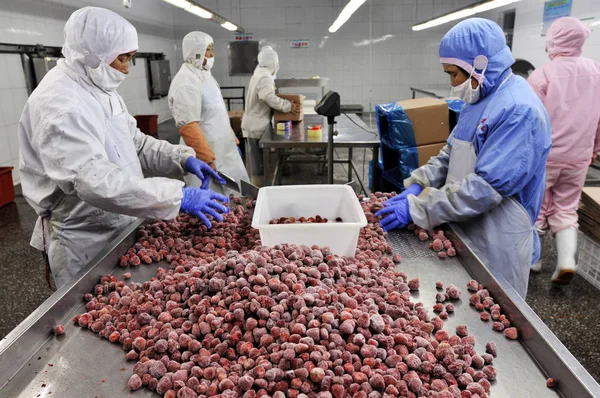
105 76
209 63
466 93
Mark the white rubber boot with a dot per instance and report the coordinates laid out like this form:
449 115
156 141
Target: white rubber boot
537 267
566 247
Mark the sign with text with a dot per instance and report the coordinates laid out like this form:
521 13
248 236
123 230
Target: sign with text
300 44
243 36
553 10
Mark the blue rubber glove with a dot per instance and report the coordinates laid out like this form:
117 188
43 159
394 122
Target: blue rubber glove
203 171
239 151
199 202
395 216
414 189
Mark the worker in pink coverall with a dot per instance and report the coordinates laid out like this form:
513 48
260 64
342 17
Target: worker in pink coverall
569 87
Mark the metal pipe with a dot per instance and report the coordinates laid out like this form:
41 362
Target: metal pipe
331 122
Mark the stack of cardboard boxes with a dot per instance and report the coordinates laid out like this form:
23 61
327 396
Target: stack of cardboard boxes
589 212
411 132
430 120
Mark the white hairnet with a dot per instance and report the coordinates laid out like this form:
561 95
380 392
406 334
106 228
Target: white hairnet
268 59
97 32
195 43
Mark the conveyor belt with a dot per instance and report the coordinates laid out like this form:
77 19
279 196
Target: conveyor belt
80 364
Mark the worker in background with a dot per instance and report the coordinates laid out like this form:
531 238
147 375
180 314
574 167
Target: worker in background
569 87
490 176
260 103
200 114
82 155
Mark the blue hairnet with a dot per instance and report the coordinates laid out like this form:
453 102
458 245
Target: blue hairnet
473 37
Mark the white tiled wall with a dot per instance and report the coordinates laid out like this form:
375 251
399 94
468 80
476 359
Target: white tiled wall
528 41
375 57
13 95
365 73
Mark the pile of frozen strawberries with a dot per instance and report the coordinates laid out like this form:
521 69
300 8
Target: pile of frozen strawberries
231 318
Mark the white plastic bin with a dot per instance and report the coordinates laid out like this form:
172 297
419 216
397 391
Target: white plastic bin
327 201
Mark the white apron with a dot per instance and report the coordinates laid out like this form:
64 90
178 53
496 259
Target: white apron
503 234
74 231
217 129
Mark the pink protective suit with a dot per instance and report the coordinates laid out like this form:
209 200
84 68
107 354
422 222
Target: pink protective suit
569 87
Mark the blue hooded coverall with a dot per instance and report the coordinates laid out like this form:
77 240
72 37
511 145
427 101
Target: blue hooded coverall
490 177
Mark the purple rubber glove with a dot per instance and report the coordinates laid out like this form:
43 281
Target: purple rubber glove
414 189
203 171
395 216
199 202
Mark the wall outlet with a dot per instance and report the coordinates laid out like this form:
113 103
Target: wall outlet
127 3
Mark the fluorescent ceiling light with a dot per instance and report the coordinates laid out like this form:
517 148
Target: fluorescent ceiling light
374 41
179 3
229 26
468 11
193 7
201 12
346 13
322 44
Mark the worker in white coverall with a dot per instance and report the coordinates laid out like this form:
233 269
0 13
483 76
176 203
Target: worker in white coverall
200 114
82 155
261 100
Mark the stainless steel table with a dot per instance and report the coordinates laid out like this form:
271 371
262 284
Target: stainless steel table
81 364
352 132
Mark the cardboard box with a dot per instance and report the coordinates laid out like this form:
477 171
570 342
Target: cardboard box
426 152
284 117
235 119
430 119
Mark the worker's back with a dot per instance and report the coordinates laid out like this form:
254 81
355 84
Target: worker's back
569 87
258 113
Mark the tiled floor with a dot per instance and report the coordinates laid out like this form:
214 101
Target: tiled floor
568 311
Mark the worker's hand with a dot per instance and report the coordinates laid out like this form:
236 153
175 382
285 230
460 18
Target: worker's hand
205 172
296 108
414 189
395 216
593 159
203 202
237 141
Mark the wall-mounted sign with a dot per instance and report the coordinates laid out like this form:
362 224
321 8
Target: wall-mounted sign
553 10
300 43
243 36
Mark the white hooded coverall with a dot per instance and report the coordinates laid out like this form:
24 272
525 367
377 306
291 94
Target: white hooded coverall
195 96
261 100
82 154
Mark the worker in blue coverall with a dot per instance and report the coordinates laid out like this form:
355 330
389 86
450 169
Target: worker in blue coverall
490 176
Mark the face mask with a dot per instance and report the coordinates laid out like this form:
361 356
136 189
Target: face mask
105 76
467 94
209 63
